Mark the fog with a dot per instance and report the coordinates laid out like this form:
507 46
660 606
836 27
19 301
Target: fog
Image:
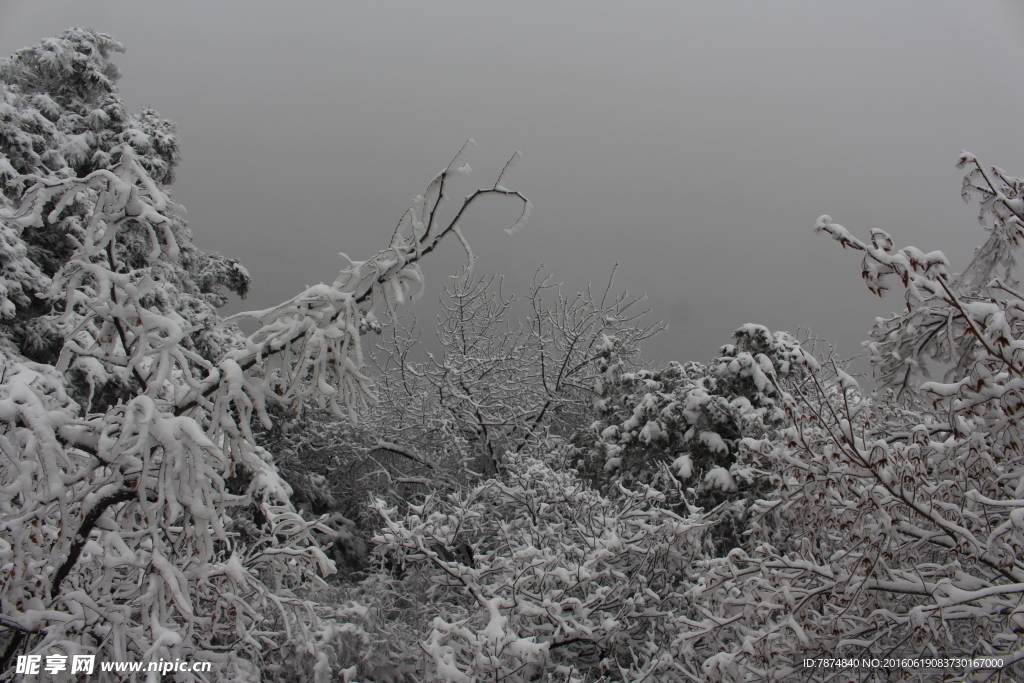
693 143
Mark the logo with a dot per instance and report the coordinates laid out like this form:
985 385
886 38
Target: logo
55 664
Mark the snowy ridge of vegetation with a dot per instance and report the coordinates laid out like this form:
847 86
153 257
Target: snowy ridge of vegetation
541 506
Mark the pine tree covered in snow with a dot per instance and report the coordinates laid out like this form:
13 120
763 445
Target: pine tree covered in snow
696 419
60 118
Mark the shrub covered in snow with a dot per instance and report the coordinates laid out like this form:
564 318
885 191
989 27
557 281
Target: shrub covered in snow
554 577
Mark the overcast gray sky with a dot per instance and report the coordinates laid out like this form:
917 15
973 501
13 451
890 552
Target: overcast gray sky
695 143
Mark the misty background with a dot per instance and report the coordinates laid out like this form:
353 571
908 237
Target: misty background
693 143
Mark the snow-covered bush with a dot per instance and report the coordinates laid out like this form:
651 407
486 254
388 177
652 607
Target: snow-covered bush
117 532
535 572
897 522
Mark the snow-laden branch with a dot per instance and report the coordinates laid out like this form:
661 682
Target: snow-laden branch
309 347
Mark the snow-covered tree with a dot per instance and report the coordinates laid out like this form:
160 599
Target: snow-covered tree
497 386
694 418
476 393
896 526
572 335
61 117
116 511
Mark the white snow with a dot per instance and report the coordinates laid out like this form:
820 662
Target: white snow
720 477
